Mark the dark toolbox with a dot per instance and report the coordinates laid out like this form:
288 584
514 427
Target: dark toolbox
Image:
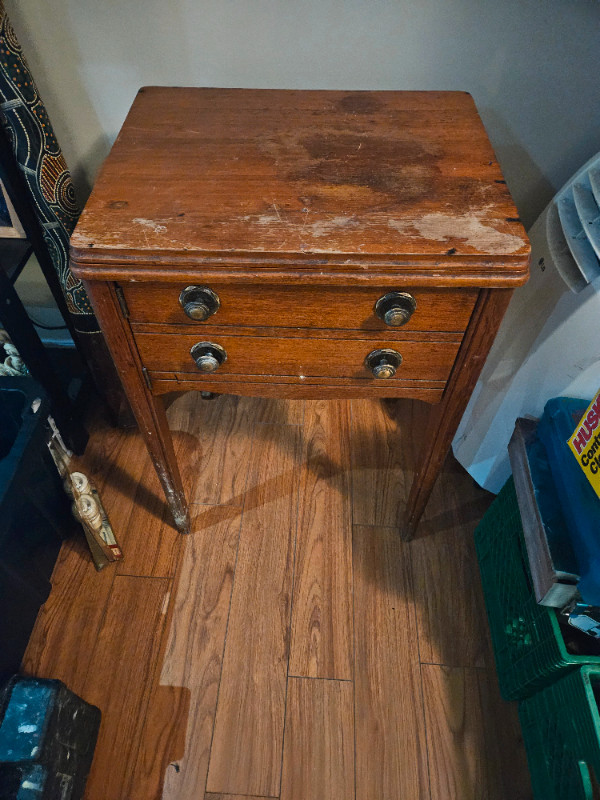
47 740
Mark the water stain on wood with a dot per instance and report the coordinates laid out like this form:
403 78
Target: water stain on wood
369 162
360 103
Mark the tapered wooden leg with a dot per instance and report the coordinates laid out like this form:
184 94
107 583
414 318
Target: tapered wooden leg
148 409
445 417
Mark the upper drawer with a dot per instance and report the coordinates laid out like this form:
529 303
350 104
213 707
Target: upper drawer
301 307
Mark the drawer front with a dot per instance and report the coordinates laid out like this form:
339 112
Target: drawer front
268 357
316 307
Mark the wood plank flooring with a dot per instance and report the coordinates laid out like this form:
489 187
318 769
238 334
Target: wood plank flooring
292 646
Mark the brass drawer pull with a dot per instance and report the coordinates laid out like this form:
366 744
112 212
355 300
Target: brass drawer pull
208 356
395 308
199 302
383 363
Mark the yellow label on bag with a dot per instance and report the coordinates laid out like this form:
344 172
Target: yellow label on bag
585 443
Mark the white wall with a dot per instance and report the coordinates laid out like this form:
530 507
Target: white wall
531 66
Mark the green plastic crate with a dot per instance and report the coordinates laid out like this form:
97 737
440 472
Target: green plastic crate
529 648
561 732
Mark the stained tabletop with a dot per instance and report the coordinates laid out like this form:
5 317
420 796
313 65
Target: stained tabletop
330 176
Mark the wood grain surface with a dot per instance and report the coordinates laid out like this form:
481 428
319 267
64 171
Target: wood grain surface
445 417
380 467
160 654
194 651
217 437
119 682
247 743
321 644
318 757
289 174
295 388
301 307
452 618
302 208
391 757
220 796
267 356
455 735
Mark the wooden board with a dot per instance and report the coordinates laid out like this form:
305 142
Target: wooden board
318 757
504 749
277 411
61 643
379 461
124 662
391 757
212 796
453 628
322 633
460 739
216 436
248 736
194 650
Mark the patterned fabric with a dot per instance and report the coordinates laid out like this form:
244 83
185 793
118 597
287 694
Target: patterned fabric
40 159
11 363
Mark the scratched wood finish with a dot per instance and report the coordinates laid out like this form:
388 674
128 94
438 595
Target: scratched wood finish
267 356
301 207
247 743
301 307
321 644
304 174
318 757
391 757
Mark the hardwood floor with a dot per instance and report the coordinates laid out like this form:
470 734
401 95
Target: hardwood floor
292 646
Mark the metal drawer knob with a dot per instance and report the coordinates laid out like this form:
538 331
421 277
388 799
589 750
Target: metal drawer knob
395 308
208 356
383 363
199 302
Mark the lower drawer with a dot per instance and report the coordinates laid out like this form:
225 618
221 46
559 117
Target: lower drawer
268 357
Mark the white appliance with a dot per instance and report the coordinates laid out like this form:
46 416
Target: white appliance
549 342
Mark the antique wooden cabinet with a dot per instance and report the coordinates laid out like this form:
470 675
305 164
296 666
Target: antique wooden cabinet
300 244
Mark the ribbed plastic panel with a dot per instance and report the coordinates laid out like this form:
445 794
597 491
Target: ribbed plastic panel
573 227
529 648
561 732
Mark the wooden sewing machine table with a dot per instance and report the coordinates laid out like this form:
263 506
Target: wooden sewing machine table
318 244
